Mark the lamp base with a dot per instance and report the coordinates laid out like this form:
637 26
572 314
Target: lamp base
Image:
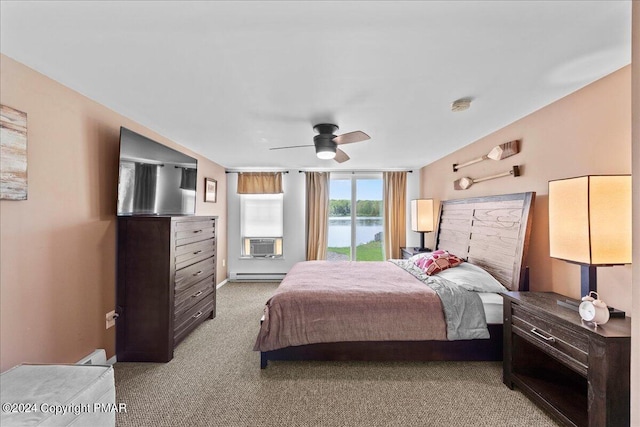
615 313
573 305
421 248
589 282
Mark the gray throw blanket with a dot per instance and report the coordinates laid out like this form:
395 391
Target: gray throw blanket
463 310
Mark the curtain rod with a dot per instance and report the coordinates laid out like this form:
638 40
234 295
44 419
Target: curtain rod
354 171
232 171
335 171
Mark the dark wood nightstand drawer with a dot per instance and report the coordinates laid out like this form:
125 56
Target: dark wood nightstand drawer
564 344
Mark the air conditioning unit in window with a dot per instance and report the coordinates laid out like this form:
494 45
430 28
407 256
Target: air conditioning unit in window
262 247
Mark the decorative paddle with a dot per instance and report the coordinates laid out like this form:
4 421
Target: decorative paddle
498 152
464 183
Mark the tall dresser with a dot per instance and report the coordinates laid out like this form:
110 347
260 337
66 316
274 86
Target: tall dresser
166 283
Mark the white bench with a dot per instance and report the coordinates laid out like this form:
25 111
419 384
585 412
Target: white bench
58 395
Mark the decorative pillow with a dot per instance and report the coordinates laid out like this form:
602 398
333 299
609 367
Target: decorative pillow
426 259
438 261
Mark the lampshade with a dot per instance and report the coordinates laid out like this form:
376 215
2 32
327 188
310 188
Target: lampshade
422 215
590 219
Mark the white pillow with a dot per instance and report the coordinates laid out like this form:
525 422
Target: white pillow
472 278
415 257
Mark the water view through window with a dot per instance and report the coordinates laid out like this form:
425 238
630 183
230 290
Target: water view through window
355 219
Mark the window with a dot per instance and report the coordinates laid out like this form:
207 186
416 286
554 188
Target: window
355 217
262 224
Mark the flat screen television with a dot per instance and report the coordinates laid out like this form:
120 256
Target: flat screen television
154 179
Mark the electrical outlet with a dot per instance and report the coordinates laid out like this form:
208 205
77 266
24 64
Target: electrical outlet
224 262
111 319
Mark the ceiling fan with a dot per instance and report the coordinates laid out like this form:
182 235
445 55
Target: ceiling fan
326 142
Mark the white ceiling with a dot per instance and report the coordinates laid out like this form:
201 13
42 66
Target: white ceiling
232 79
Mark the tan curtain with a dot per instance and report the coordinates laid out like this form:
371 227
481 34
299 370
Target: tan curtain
395 213
259 182
317 214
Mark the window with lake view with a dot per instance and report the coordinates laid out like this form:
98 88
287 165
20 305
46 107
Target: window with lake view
355 217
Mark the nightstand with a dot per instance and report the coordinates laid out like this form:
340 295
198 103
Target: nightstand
578 372
409 252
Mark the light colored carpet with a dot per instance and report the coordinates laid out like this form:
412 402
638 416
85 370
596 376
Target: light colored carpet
215 380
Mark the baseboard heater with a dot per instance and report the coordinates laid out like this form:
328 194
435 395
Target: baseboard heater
97 357
256 277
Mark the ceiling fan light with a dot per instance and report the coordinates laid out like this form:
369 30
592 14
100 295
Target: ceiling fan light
325 153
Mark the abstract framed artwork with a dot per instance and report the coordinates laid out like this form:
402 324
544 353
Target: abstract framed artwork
13 154
210 190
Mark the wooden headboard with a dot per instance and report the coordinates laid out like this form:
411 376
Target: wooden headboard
491 232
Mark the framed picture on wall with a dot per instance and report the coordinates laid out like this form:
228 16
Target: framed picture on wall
13 147
210 190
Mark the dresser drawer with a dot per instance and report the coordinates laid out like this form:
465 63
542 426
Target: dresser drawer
194 273
192 295
194 252
566 345
192 318
194 231
195 224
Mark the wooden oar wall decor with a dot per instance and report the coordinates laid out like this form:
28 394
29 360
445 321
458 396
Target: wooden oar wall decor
466 182
498 152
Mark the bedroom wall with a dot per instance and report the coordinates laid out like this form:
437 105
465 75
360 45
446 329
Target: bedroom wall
57 249
635 108
587 132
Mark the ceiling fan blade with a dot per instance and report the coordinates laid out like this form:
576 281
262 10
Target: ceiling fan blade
291 146
341 156
348 138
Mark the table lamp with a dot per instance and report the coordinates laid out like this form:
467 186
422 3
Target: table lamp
422 219
590 225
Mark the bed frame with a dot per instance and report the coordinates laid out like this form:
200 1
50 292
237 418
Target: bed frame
491 232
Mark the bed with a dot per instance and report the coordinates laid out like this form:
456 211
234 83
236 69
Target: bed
391 310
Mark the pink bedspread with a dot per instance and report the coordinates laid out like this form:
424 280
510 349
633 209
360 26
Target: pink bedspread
322 301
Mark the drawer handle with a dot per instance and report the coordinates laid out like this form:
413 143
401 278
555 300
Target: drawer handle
197 294
198 314
535 332
198 273
197 252
198 231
